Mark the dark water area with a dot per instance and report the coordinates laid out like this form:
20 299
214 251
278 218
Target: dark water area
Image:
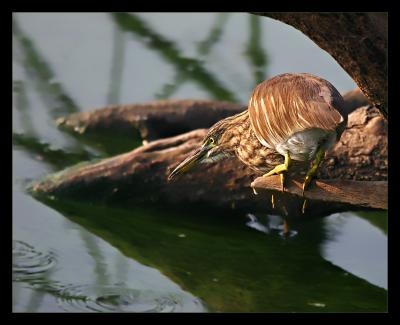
84 257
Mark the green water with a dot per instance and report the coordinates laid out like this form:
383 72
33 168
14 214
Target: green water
83 256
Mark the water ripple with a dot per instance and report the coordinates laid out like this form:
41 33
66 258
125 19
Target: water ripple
109 298
29 263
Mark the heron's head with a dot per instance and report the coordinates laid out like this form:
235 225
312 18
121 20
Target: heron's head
217 144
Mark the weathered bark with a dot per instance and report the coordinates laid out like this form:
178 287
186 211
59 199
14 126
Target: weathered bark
357 41
354 99
152 120
356 193
141 175
361 152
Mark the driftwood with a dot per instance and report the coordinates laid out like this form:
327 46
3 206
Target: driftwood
152 120
357 41
141 175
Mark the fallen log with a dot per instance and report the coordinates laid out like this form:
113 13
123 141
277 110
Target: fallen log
141 175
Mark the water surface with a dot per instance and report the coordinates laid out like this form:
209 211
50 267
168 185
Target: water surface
84 257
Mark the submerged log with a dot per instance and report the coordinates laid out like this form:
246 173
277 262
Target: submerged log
141 175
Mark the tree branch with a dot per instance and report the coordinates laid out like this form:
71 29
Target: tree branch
357 41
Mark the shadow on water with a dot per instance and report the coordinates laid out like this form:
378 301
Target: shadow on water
230 267
190 67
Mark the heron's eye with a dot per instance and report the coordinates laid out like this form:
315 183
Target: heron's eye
211 141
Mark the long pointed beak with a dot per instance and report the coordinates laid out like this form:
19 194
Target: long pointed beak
189 162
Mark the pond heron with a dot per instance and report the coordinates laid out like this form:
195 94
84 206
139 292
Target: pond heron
291 118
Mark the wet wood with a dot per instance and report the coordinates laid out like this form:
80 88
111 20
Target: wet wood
141 174
357 41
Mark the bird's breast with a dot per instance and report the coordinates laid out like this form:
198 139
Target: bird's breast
258 157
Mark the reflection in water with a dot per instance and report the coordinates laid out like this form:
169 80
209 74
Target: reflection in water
254 223
56 157
354 245
21 104
255 53
120 299
41 75
170 52
269 222
53 94
100 268
229 266
117 66
32 268
215 256
203 49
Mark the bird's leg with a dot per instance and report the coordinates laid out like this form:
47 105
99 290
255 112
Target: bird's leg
281 170
313 170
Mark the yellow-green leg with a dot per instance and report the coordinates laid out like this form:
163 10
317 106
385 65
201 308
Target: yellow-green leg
313 170
281 170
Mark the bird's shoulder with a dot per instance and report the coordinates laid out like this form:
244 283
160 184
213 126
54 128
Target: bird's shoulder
293 102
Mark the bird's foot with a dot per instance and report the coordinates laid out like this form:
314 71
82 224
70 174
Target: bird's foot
277 170
281 170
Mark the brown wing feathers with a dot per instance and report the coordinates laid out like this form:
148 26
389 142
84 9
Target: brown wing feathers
290 103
